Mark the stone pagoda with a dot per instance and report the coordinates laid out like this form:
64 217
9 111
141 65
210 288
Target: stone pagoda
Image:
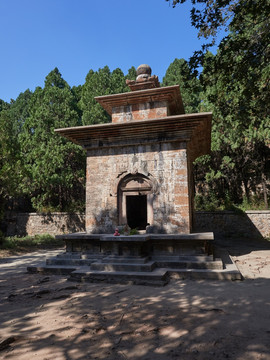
139 167
139 176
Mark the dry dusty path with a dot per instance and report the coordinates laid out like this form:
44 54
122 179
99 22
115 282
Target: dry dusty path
49 318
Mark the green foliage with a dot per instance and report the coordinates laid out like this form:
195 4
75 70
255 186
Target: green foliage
54 167
234 84
206 203
36 163
131 75
3 105
210 201
180 73
8 156
237 90
209 16
12 118
134 232
254 202
118 82
44 240
98 83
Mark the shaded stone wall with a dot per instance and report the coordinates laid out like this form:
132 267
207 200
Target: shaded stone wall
164 163
223 224
34 224
227 224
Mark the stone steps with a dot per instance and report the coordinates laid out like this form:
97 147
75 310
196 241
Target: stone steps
192 258
127 267
208 274
158 277
52 269
127 259
155 270
184 264
70 261
79 255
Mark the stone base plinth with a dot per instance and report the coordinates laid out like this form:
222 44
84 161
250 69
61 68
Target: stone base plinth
148 259
139 245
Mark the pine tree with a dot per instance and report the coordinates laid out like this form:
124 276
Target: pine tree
12 118
54 166
237 90
98 83
180 73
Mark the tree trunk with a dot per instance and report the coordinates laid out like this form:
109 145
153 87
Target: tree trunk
264 191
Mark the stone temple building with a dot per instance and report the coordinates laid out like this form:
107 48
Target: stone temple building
139 176
139 167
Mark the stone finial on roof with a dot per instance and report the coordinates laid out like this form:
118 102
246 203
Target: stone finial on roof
144 80
143 72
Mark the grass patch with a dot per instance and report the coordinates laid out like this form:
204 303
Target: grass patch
209 202
37 241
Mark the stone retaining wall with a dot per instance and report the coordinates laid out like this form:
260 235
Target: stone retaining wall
224 224
33 223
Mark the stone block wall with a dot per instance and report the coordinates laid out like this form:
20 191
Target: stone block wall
165 163
143 111
227 224
22 224
224 224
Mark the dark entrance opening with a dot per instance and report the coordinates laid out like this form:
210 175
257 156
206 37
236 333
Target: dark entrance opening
137 211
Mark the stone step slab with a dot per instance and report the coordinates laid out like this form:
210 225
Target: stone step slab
125 259
192 258
184 264
158 277
207 274
87 256
51 269
70 261
118 267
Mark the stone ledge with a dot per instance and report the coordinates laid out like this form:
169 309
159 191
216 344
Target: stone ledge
125 238
209 236
189 237
78 236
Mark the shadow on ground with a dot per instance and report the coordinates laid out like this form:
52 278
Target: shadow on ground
50 318
243 246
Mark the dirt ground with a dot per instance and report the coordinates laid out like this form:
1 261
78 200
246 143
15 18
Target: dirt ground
49 318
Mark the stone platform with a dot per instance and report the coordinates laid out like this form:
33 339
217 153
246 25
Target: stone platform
151 259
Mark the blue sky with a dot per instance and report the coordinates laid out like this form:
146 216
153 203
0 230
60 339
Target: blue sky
79 35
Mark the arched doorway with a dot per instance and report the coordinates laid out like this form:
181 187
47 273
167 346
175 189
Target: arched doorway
135 201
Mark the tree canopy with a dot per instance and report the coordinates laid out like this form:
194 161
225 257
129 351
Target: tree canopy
54 167
39 166
236 87
98 83
180 73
